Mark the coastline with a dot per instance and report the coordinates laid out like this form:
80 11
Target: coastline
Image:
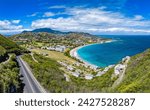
73 53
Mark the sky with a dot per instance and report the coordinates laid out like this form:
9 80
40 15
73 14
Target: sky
97 17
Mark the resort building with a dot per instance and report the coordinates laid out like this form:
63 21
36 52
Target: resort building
70 68
76 74
89 76
58 48
119 69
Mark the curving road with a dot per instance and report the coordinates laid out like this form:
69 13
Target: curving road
31 84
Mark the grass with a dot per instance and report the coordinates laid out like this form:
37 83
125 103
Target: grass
55 55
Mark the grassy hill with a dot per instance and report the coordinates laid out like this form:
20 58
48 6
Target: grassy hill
10 46
137 78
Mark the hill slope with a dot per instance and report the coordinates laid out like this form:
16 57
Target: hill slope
3 54
9 45
137 78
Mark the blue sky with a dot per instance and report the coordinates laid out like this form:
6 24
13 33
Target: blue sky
93 16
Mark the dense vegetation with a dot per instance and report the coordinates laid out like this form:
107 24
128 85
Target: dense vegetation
10 46
3 54
137 78
9 76
9 69
2 51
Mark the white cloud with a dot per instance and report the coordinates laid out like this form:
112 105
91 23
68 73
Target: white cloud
16 21
57 7
7 26
9 32
33 14
95 20
138 17
48 14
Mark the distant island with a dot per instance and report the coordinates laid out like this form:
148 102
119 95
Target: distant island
52 59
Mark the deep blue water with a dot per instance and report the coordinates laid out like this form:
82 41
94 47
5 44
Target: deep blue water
106 54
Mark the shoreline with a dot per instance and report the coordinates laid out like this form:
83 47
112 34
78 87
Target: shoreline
73 53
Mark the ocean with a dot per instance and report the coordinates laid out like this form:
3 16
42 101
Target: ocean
106 54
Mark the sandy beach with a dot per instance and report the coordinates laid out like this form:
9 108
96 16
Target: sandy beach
73 53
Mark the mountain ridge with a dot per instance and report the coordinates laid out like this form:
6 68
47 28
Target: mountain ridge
48 30
52 31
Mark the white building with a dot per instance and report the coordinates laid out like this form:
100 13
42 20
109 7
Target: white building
76 74
100 73
126 59
89 76
57 48
70 68
119 69
60 48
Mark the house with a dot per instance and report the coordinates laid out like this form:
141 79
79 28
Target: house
76 74
89 76
126 59
100 73
119 69
60 48
70 68
50 48
57 48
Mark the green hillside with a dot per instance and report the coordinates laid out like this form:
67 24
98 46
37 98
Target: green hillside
10 46
3 54
137 78
2 51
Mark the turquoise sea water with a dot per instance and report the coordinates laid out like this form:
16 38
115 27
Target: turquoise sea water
106 54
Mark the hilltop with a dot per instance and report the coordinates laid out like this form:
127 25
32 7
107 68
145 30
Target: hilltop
48 30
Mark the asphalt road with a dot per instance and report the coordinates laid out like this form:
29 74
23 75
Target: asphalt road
31 84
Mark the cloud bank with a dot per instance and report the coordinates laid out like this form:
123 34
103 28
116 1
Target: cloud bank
95 20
